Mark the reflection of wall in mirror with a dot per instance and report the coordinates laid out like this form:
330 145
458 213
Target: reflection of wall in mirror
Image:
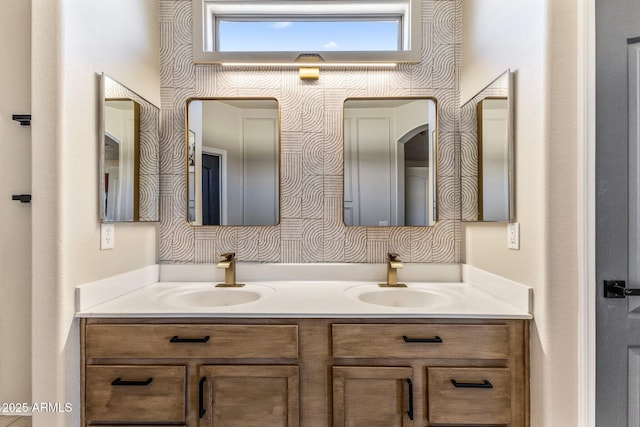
121 118
246 141
381 186
493 142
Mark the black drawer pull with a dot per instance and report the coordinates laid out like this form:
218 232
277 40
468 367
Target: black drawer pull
175 338
119 381
201 410
484 384
435 339
410 411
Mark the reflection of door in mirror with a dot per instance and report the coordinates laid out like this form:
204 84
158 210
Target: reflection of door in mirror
493 164
235 178
389 170
121 171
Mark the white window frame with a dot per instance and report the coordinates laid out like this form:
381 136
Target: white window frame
207 12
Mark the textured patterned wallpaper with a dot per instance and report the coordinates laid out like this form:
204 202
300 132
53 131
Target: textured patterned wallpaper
311 227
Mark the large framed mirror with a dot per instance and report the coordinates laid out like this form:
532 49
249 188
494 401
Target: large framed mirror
390 157
487 158
129 177
233 169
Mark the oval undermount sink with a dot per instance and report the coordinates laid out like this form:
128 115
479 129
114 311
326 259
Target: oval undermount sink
400 297
210 296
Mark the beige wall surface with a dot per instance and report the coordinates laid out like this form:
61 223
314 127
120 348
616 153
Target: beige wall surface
538 42
74 41
15 217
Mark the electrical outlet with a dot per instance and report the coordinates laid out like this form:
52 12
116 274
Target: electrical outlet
513 235
107 236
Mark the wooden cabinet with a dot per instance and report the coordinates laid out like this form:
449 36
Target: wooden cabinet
472 373
135 393
469 395
372 396
305 372
249 395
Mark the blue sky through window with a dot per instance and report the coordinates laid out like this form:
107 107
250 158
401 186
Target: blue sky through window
308 36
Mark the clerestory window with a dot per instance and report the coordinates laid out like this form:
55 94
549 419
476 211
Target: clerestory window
355 31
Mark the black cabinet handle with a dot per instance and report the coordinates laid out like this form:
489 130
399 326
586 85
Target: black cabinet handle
483 384
410 411
119 381
175 338
435 339
201 410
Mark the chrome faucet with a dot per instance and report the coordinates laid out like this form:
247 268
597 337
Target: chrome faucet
229 264
393 264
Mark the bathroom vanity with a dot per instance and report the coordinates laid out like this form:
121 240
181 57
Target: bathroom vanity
154 357
305 372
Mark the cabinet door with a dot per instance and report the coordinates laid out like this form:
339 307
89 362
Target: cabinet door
372 396
249 396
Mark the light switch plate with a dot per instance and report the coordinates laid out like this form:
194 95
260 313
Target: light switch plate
107 236
513 235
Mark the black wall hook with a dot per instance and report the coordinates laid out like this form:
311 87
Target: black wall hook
24 119
22 198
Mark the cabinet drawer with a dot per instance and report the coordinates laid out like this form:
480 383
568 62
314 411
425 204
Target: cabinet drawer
135 394
421 341
191 341
479 396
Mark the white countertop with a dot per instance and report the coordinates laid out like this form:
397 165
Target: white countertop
299 299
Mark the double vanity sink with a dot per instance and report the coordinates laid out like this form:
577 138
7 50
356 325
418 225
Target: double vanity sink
166 347
206 295
307 299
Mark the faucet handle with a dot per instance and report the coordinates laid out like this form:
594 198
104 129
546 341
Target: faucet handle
229 256
393 257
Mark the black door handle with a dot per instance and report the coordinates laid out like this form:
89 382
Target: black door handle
618 289
410 411
483 384
175 338
120 381
435 339
201 410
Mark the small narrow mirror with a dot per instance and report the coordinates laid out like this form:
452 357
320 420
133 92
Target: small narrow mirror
487 154
389 161
129 152
233 161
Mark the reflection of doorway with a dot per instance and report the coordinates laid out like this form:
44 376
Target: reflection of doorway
211 178
413 177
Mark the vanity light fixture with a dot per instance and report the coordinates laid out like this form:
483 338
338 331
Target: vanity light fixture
309 65
319 65
311 72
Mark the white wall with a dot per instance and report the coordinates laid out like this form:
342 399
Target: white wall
538 41
15 217
73 40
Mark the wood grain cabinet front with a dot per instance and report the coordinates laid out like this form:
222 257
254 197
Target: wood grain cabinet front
373 396
135 394
469 396
305 372
441 341
191 341
249 395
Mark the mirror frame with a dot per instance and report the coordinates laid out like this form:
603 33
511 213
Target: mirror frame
137 99
473 104
187 131
435 137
